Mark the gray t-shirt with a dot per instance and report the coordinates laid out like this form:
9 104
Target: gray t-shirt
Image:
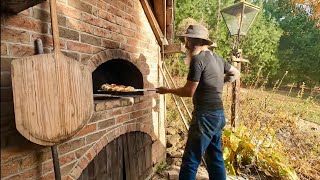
208 69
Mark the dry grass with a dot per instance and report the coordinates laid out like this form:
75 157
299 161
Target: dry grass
293 114
288 116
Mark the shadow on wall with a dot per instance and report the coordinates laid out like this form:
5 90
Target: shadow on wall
9 134
145 69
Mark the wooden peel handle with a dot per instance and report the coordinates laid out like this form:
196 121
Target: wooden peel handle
54 25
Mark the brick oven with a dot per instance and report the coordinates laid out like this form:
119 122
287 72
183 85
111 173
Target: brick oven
121 42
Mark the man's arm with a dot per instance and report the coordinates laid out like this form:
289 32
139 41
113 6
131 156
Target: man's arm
186 91
231 75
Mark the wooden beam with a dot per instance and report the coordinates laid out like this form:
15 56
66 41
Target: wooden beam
170 33
159 12
170 21
174 48
16 6
170 3
153 22
234 59
169 15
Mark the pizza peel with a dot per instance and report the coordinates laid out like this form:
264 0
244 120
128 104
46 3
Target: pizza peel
52 93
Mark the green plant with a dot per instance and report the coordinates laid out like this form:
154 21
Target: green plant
255 147
161 167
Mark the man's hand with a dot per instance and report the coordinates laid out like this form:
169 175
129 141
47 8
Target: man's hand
186 91
162 90
231 75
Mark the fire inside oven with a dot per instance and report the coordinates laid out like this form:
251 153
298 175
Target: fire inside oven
120 72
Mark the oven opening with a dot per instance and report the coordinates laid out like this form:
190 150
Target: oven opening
120 72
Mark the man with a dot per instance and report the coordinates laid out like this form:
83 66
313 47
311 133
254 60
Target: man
207 74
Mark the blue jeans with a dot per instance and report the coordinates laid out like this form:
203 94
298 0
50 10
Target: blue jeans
204 138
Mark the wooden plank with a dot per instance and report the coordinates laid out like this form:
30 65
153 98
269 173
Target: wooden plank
120 158
97 168
170 34
114 165
52 94
129 157
102 165
126 157
115 162
132 156
16 6
170 21
148 153
90 168
160 14
140 158
109 155
49 105
169 17
153 22
135 155
143 152
174 48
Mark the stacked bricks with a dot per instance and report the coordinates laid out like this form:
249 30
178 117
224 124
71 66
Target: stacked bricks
87 28
110 120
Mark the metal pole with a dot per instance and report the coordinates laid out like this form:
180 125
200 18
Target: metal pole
56 165
236 85
236 90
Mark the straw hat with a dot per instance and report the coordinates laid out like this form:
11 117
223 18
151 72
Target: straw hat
197 31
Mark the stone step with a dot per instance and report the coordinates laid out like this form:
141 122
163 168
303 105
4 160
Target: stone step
173 174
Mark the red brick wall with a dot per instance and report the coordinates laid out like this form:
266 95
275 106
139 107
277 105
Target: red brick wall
86 27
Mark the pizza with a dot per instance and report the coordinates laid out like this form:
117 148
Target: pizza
115 87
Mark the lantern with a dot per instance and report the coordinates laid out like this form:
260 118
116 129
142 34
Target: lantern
239 17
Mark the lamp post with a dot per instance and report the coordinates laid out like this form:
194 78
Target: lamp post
238 18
